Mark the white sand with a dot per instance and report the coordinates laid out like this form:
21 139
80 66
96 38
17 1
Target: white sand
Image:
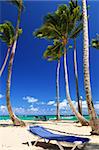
12 138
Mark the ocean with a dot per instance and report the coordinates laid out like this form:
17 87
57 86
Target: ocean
41 117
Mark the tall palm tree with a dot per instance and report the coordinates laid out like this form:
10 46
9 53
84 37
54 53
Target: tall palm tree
93 117
95 42
15 120
59 25
54 52
7 35
75 34
70 21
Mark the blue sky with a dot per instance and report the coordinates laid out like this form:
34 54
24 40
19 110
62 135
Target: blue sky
33 78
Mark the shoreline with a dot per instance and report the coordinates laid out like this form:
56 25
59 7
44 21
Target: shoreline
19 136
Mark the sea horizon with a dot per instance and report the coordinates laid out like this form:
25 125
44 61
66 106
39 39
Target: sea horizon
44 117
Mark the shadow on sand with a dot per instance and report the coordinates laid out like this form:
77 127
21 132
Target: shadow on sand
6 125
50 146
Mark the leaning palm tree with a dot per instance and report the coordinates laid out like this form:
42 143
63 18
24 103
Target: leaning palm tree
7 36
93 117
95 42
54 53
59 26
15 120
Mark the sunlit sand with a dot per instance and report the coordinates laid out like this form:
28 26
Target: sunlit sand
17 138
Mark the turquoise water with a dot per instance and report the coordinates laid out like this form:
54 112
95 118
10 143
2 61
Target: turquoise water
48 117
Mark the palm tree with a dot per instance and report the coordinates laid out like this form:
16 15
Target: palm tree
95 42
60 25
93 117
7 36
75 34
15 120
54 52
70 21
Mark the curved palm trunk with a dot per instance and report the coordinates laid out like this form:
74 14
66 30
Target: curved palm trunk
57 91
5 60
77 114
91 110
76 78
15 120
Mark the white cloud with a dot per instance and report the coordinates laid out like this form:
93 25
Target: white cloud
84 104
52 109
97 105
3 109
33 109
19 110
51 103
63 104
31 106
42 103
85 108
1 96
30 99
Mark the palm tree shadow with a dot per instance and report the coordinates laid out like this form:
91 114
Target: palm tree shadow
6 125
49 146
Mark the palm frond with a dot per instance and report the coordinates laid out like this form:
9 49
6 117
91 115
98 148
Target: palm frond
19 32
16 3
95 42
62 24
62 9
51 18
77 31
54 52
7 32
47 31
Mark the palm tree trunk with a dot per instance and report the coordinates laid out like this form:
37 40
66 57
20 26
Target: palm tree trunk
5 61
76 78
15 120
91 110
57 91
77 114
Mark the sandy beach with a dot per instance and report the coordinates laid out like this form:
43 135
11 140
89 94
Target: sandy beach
17 138
49 59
